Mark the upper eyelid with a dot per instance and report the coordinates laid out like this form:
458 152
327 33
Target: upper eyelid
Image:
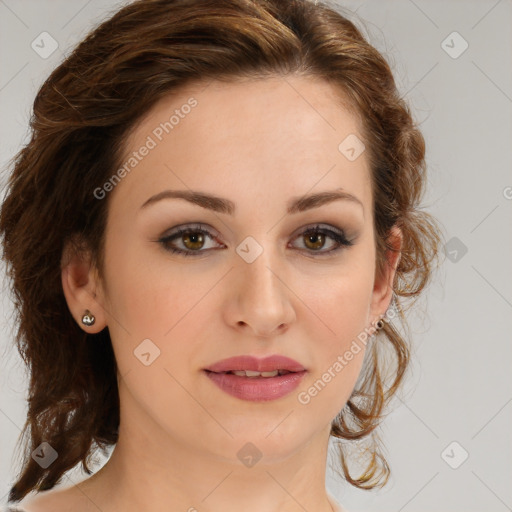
213 234
190 227
200 226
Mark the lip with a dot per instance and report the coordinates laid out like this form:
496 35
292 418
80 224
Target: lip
256 389
266 364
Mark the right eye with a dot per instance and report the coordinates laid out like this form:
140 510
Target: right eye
192 237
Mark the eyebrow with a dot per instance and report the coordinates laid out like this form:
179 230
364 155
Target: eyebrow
222 205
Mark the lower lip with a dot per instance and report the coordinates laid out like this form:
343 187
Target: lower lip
257 389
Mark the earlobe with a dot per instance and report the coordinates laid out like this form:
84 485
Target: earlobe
80 284
383 284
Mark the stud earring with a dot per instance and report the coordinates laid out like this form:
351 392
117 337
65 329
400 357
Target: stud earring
379 324
88 319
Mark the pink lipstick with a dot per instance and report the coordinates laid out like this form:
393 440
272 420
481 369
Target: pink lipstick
254 379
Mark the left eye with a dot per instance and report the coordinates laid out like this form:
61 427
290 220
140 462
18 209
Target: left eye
193 239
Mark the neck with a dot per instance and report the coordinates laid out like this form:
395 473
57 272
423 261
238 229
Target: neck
150 469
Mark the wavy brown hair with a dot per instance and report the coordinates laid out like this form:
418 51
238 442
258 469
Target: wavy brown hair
81 117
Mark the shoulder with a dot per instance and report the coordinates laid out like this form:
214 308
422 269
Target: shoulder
335 505
43 503
66 500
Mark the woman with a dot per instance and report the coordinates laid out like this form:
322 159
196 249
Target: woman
267 141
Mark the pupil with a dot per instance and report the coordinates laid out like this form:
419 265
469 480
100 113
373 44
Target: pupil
194 238
319 239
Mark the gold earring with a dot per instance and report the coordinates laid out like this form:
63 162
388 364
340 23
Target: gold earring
88 319
379 324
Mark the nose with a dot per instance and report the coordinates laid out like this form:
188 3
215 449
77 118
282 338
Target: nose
259 300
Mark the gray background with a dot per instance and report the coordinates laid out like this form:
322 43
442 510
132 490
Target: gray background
459 389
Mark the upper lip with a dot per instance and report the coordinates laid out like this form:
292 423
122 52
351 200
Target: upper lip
266 364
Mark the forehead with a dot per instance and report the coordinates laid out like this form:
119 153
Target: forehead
281 132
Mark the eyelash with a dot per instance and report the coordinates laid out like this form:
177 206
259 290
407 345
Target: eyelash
337 235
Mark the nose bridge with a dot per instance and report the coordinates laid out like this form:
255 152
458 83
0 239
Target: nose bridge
259 274
262 294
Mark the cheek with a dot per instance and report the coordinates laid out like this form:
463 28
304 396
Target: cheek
340 296
148 295
159 308
339 327
344 300
154 330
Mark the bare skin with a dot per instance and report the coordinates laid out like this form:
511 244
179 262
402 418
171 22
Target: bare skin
258 144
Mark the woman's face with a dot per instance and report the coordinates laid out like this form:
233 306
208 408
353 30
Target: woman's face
254 282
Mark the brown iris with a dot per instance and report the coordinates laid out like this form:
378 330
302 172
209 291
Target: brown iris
317 239
194 238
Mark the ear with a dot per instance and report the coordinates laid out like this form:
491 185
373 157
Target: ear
383 284
81 285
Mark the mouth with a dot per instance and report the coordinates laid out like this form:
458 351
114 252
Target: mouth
257 379
252 366
254 386
254 374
